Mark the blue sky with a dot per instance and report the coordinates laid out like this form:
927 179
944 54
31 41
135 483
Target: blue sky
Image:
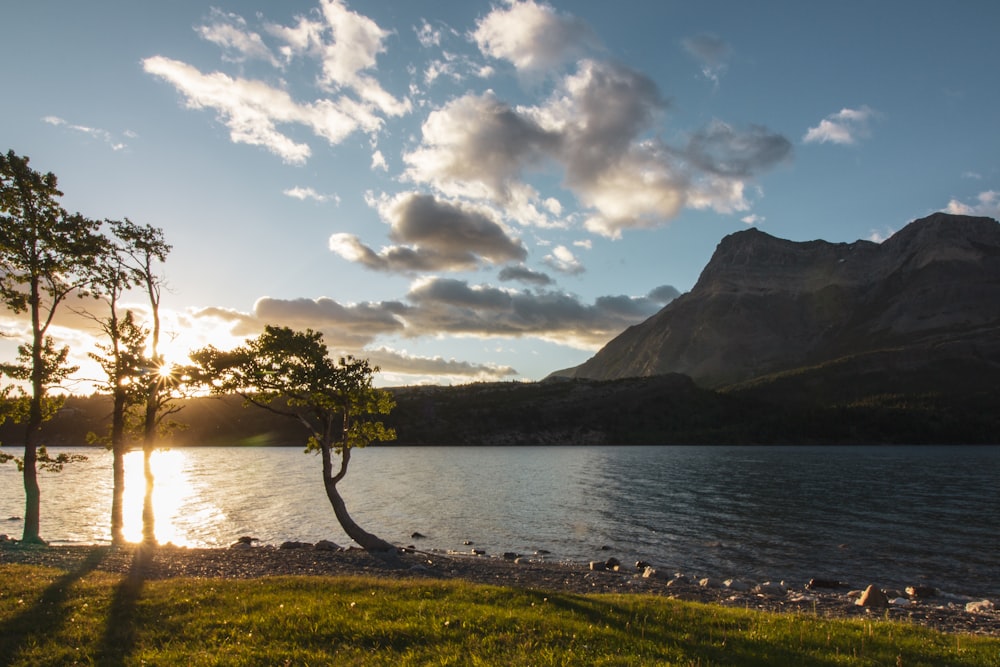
470 191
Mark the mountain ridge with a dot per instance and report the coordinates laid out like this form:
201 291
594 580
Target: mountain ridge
763 305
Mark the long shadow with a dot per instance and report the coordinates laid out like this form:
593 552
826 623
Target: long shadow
48 614
120 629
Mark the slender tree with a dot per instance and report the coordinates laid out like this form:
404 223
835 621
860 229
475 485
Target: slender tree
146 248
125 365
291 374
46 256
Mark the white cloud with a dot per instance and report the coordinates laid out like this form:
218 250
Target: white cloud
378 161
229 31
752 219
428 35
252 110
95 133
302 194
532 36
592 128
846 127
562 260
987 204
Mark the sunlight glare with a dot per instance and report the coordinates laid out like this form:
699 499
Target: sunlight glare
171 490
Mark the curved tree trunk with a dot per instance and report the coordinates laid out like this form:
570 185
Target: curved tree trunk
366 540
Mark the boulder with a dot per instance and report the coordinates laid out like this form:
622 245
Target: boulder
327 545
417 536
239 546
736 585
641 565
873 597
246 539
291 544
979 606
823 583
708 582
597 566
771 589
511 555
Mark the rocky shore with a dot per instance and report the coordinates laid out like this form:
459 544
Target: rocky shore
821 598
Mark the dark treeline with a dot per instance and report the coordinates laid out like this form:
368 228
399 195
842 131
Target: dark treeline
670 409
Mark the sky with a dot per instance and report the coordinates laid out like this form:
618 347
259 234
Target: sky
469 191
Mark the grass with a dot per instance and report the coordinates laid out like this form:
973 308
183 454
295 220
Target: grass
86 617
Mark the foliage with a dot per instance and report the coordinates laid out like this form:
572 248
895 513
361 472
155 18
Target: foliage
296 366
91 617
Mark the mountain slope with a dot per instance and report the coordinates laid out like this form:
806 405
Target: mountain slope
764 305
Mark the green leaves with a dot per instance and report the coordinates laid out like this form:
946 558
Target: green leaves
335 400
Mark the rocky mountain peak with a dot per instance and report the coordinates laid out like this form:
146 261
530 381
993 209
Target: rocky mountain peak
764 304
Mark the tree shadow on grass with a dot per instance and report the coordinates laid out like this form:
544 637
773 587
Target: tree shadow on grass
120 629
48 614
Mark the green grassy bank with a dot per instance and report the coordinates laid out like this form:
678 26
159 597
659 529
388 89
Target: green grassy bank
54 617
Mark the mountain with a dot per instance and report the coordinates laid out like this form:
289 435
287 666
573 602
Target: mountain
926 298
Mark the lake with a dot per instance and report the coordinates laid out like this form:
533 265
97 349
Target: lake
895 516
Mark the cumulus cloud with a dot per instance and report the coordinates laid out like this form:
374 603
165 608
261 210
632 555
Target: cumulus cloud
846 127
594 128
711 51
96 133
532 36
433 235
525 275
477 146
987 204
562 260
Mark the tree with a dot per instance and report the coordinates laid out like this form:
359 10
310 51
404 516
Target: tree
290 373
145 247
46 256
125 365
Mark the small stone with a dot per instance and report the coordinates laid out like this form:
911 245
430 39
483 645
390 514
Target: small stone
597 566
239 546
873 597
823 583
708 582
294 545
478 552
542 552
417 536
921 591
246 539
510 555
612 563
641 565
651 573
979 606
468 543
521 560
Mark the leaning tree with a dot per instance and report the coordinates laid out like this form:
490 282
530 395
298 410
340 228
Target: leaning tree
290 373
46 256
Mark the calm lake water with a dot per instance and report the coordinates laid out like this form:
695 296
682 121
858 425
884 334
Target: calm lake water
889 515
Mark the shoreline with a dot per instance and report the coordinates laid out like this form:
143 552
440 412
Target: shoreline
940 612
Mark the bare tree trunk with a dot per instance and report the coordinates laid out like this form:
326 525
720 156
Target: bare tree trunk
32 492
118 468
366 540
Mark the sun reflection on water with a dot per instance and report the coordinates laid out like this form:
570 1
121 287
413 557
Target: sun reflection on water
171 491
